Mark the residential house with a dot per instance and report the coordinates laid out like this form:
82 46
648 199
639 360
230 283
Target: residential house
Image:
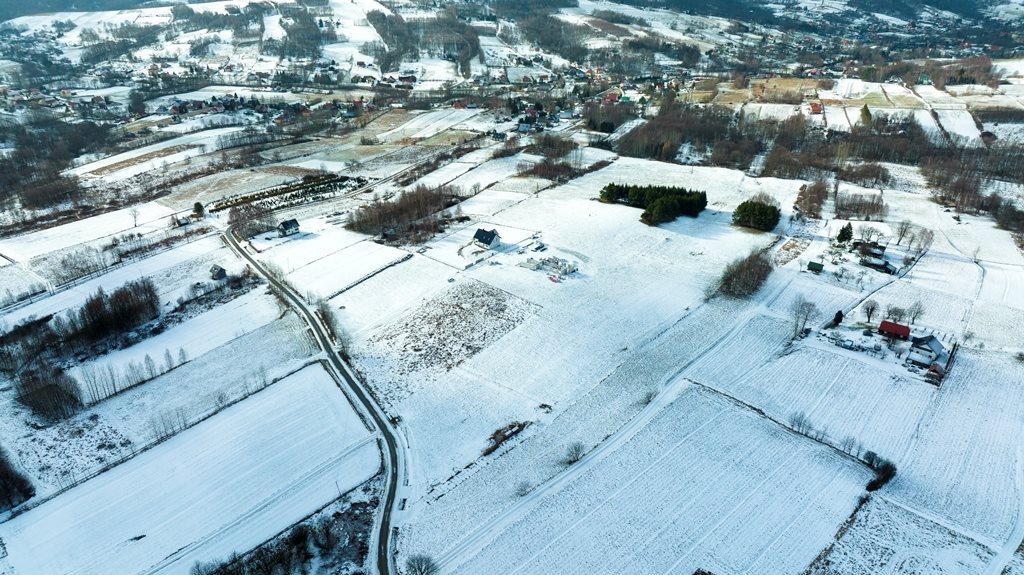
288 227
924 351
488 239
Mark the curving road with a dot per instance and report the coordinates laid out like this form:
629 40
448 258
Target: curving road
394 459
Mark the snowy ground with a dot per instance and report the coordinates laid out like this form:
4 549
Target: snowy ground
151 216
251 471
761 500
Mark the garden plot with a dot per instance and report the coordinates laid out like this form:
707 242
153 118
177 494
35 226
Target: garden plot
944 312
964 421
771 112
118 426
706 484
450 328
961 127
194 337
152 217
332 274
1007 133
835 118
224 485
950 274
885 538
176 282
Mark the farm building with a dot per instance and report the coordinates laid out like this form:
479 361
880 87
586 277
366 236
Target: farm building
288 227
893 329
488 239
815 267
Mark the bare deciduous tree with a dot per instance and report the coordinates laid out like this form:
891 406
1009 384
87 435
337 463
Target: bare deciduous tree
895 313
870 308
421 564
915 311
803 312
574 453
902 229
925 238
135 217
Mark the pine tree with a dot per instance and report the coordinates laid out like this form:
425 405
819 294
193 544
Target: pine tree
845 233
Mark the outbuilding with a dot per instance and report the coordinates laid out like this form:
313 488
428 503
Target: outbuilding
893 329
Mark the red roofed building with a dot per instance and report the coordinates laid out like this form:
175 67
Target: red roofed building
892 329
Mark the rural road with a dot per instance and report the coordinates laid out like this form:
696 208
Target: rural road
394 459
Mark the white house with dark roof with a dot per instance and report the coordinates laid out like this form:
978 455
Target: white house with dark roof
924 351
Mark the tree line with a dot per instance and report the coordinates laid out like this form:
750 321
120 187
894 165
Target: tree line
414 215
660 203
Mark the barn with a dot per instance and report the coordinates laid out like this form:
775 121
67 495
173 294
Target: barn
893 329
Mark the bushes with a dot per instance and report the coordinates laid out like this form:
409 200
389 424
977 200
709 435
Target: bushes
744 276
49 393
102 315
406 216
759 213
811 198
660 203
14 487
885 470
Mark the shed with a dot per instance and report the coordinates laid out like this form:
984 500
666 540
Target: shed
816 267
893 329
288 227
217 272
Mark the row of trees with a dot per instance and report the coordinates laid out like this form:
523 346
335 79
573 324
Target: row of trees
660 203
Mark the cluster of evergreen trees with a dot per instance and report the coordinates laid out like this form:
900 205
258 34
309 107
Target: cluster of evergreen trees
660 203
759 212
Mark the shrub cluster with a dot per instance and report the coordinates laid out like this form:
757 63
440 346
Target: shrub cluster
757 214
14 487
103 315
811 198
410 215
660 203
744 276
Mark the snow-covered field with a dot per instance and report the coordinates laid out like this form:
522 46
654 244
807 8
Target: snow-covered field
427 124
195 336
151 216
706 484
226 484
149 158
961 127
